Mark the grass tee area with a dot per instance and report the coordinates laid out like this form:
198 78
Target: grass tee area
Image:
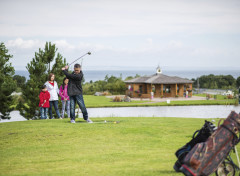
135 146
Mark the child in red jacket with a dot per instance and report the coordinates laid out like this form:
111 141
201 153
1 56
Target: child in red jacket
44 102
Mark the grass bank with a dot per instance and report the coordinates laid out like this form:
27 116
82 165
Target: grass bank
101 101
135 146
92 101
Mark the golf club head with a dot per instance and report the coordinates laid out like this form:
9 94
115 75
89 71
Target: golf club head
89 53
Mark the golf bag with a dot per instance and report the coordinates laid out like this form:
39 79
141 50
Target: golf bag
205 157
198 136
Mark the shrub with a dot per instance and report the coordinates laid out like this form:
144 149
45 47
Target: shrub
208 96
106 93
117 99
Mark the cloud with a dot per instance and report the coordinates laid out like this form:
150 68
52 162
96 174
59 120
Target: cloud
174 44
117 18
64 45
20 43
24 44
146 51
81 46
149 41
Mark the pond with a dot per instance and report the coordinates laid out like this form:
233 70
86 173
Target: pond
212 111
15 116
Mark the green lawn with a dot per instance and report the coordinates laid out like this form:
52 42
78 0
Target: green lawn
92 101
101 101
218 97
136 146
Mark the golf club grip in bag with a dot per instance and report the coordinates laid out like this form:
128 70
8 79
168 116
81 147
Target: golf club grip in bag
199 136
205 157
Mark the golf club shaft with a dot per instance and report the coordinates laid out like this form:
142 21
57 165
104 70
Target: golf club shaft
80 58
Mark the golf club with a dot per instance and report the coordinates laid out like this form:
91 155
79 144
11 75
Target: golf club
88 53
106 122
109 122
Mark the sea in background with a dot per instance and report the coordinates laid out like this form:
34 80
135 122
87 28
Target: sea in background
95 75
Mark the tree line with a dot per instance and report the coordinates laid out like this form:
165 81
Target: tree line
217 82
113 85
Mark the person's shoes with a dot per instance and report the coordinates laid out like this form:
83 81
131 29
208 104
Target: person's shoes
89 121
73 121
60 118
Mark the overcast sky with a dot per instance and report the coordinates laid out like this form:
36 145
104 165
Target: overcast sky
141 34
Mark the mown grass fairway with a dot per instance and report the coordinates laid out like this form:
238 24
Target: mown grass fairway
135 146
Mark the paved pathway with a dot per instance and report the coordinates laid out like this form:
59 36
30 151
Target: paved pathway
164 99
171 99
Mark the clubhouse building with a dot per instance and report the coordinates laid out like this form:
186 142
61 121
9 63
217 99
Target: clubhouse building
158 86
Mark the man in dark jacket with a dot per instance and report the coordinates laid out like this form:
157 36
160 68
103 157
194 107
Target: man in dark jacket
75 92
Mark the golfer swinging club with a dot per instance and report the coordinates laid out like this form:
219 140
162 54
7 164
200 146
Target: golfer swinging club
75 92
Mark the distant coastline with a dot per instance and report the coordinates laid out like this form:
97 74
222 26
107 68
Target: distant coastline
95 75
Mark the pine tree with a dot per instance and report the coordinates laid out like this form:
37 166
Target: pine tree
57 68
39 69
38 75
49 54
7 84
20 80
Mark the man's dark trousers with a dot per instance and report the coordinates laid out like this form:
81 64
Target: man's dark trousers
80 102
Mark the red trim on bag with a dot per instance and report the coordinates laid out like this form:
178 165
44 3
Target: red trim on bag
188 170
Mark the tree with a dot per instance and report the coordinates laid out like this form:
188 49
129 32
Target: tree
112 84
7 84
128 78
38 75
20 80
217 81
49 54
60 62
131 77
39 69
238 82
